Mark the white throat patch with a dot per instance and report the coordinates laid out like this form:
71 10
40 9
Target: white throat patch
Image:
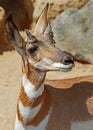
30 90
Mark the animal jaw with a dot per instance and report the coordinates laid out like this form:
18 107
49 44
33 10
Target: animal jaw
48 65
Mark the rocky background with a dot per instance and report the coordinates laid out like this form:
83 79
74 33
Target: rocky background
26 12
56 7
72 24
73 31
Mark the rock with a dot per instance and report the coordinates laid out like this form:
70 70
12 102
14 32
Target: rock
56 6
73 32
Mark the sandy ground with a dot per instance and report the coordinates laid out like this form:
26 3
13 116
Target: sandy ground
10 79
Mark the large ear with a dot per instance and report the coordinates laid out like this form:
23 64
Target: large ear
13 36
42 22
48 36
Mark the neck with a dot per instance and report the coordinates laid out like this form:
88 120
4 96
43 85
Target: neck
32 97
33 82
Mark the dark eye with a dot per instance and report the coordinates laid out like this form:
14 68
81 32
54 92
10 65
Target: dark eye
32 49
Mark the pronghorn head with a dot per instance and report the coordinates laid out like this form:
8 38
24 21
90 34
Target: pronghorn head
39 48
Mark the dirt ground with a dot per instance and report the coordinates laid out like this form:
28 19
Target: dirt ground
10 80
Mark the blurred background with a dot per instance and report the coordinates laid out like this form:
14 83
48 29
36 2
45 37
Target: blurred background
72 25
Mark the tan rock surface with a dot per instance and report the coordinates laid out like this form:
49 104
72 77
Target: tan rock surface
10 80
56 6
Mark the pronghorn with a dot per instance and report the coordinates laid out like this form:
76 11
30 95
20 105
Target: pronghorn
35 103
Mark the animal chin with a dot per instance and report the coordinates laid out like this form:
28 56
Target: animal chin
65 69
55 67
62 67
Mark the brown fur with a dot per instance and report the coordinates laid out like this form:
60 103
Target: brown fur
27 102
43 111
20 118
45 98
33 75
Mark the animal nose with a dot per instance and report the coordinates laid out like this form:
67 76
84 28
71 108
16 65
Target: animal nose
68 60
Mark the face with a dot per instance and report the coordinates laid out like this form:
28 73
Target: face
45 56
39 48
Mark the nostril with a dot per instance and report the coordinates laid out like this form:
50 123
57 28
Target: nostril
68 60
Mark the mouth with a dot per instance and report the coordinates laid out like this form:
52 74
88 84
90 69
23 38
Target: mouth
66 68
55 67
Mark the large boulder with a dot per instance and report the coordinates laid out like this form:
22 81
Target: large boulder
73 32
56 6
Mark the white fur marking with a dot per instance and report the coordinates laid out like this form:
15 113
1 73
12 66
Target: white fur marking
30 88
18 125
60 65
27 112
41 126
31 62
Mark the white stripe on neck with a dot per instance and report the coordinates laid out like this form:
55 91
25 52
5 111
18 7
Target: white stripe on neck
41 126
30 90
27 112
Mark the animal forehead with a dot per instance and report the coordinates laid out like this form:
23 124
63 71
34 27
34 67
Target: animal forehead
43 45
40 39
37 42
48 51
